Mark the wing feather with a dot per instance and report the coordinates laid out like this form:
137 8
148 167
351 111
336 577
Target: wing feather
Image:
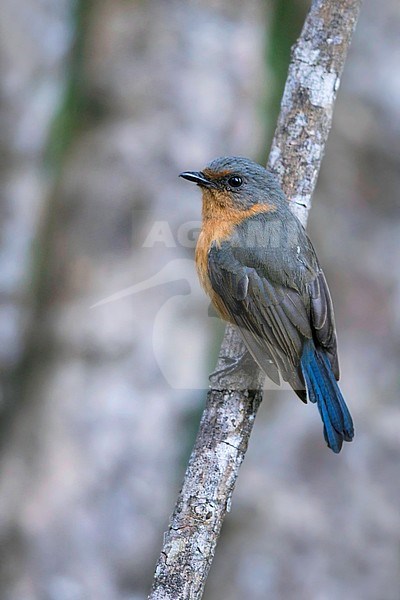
272 318
323 320
278 300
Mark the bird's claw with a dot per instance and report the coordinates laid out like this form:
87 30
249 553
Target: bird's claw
244 362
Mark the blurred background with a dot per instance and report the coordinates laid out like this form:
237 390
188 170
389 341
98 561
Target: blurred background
102 104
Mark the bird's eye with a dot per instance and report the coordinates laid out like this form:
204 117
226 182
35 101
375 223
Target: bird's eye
235 181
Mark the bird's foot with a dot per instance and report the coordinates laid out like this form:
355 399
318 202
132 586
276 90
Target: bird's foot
243 362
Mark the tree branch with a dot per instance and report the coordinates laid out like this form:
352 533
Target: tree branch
296 154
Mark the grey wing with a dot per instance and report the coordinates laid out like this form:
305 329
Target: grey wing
272 317
323 320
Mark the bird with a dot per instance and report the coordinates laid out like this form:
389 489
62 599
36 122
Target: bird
257 264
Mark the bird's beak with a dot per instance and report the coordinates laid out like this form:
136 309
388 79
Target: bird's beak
197 177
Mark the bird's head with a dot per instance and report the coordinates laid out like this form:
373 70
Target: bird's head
236 183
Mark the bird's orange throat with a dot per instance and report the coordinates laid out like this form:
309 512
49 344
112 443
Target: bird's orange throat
220 217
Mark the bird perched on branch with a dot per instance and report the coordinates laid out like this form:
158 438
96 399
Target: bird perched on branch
258 266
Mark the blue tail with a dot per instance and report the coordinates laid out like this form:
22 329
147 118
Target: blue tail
323 389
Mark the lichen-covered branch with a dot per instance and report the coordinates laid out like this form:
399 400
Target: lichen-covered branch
307 105
296 154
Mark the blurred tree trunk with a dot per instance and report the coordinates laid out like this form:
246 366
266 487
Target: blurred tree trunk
90 456
33 55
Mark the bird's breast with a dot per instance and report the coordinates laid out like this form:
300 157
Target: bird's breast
218 225
206 238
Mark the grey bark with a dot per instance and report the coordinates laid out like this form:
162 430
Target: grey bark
296 154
